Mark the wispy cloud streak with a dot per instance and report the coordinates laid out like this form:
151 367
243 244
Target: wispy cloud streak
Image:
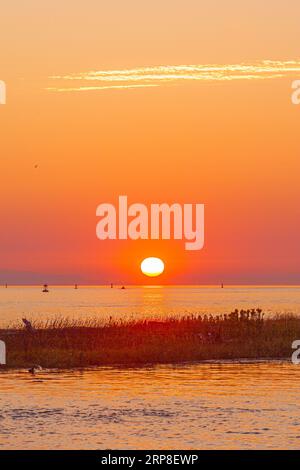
172 74
91 88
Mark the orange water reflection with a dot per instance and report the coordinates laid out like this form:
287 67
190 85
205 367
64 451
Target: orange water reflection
233 405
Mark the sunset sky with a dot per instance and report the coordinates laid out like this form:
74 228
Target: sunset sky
163 101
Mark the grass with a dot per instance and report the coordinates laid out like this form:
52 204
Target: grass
64 344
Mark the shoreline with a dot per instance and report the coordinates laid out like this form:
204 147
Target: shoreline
150 365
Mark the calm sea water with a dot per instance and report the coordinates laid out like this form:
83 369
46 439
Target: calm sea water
223 406
137 302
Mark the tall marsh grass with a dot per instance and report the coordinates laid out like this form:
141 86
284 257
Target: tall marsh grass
63 343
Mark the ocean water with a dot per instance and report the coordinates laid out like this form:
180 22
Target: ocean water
198 406
140 302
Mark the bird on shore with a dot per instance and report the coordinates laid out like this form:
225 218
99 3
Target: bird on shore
28 325
35 369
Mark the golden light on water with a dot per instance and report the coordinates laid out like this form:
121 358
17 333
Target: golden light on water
152 266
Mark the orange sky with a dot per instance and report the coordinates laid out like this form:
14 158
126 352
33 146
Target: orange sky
223 136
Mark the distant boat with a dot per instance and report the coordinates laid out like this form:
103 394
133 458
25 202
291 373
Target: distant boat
123 287
45 289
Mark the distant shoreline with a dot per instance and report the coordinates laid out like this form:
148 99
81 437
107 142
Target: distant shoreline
63 344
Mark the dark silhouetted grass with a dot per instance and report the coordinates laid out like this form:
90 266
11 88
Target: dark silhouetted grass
63 343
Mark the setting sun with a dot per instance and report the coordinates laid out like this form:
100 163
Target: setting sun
152 267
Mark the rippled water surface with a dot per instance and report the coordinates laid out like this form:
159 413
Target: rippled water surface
138 302
229 405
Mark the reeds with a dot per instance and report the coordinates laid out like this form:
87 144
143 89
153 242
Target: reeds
64 343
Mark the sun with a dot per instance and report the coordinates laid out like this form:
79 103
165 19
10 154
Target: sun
152 267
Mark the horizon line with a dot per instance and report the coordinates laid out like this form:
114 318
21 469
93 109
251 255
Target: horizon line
108 285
